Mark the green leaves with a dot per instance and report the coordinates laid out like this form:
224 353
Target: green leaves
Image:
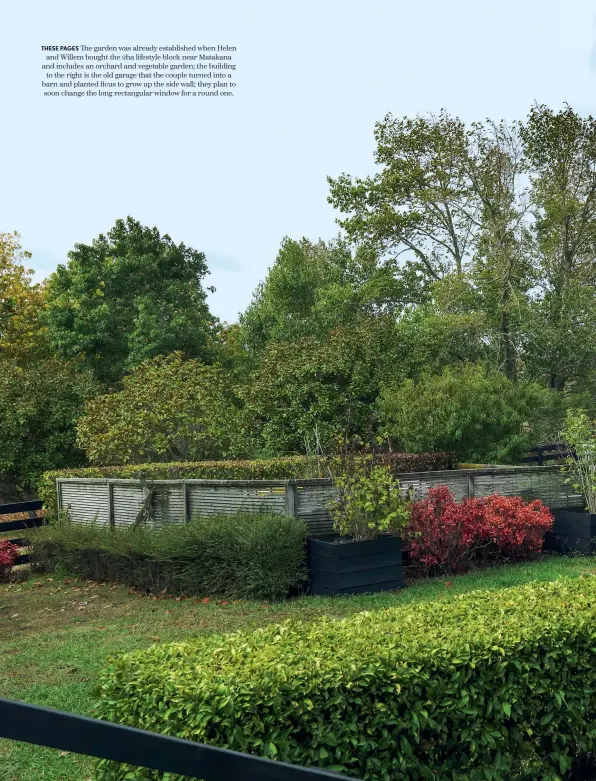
477 413
169 409
403 692
370 501
126 297
580 437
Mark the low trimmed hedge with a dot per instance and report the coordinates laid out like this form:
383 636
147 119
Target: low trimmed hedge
489 685
285 468
246 555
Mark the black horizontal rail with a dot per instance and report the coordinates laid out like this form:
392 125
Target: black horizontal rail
20 507
105 740
26 523
542 453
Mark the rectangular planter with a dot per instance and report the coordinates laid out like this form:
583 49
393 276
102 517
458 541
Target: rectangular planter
573 530
349 567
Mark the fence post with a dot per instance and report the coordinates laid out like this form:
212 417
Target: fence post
185 501
58 498
290 493
470 486
110 504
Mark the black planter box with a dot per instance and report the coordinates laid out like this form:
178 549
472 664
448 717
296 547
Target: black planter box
340 566
573 530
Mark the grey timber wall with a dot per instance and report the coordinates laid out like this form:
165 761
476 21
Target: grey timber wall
118 502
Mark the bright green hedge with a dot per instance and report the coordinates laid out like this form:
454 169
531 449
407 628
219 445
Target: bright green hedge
283 468
491 685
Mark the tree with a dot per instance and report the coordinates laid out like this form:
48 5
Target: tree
420 203
450 202
476 413
39 405
314 288
126 297
310 385
21 301
560 149
169 409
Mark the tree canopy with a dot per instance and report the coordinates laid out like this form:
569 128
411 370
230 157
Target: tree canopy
129 295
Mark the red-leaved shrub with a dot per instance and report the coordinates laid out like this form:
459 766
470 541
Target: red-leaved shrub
515 529
8 556
445 536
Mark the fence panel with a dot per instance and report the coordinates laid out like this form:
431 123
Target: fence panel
178 500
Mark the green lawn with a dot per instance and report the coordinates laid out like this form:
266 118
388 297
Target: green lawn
56 633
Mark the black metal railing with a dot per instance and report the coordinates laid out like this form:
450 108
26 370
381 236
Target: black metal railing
105 740
543 453
32 508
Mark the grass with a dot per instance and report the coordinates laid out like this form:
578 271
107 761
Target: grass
55 634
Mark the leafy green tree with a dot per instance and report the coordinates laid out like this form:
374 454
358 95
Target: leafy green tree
39 405
169 409
129 295
476 413
560 150
419 204
448 203
21 302
314 288
324 387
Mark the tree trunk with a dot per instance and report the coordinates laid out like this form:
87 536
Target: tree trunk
510 362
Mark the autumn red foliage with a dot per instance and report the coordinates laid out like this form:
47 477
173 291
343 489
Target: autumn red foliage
8 556
446 536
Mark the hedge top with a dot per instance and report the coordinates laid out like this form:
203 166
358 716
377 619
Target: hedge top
479 624
283 468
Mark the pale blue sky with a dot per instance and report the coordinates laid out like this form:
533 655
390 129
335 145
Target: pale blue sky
232 177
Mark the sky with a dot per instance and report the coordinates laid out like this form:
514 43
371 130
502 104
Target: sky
233 176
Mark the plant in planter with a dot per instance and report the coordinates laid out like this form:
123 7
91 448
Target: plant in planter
576 529
369 513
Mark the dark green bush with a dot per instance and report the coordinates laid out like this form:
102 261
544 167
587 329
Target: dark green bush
490 685
247 555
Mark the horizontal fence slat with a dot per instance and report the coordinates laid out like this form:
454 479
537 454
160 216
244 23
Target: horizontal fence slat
105 740
20 507
25 523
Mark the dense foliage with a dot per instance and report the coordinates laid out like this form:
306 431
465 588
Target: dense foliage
40 402
318 385
579 436
460 291
369 501
168 409
445 536
250 555
480 415
129 295
21 300
489 685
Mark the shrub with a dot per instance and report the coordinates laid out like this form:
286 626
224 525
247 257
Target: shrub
8 556
489 685
479 414
369 501
446 536
515 528
580 438
246 555
443 534
283 468
168 409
